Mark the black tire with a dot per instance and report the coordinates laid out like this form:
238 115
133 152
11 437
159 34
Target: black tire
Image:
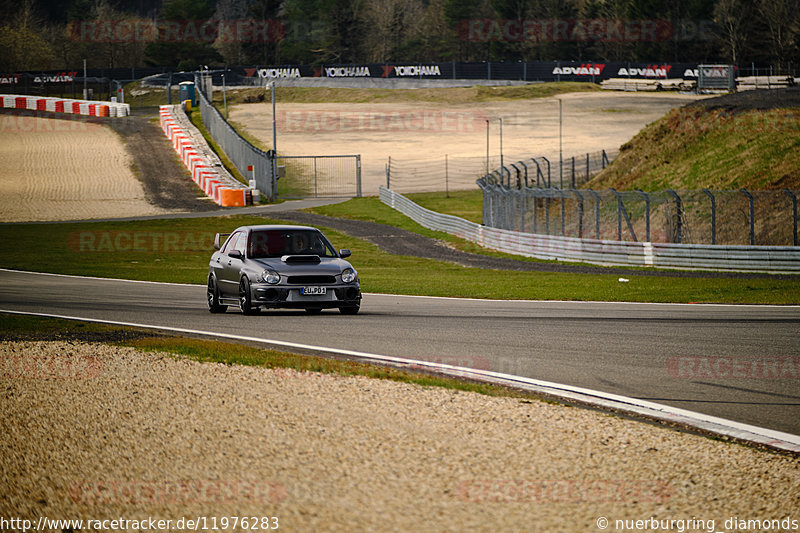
350 310
313 310
245 303
212 297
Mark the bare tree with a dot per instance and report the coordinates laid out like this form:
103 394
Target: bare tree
731 17
781 19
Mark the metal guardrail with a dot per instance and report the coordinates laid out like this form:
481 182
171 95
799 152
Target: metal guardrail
253 163
770 259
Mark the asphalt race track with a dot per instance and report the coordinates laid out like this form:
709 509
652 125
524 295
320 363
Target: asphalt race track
696 357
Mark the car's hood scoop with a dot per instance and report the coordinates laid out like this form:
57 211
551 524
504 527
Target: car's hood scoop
300 259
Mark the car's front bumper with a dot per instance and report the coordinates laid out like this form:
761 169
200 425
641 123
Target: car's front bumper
289 296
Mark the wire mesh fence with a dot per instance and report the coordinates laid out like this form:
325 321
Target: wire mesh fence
315 176
685 216
445 174
252 162
450 173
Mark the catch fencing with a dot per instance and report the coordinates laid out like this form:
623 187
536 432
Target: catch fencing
773 259
254 163
319 176
448 173
683 217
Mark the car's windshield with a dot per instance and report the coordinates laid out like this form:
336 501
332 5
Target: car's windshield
277 243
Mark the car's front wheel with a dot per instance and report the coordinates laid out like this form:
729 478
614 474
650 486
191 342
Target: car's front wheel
212 297
245 302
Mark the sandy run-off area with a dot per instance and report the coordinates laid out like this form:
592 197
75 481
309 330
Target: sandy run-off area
96 432
418 135
65 169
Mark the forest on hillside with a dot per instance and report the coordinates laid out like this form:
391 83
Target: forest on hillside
56 34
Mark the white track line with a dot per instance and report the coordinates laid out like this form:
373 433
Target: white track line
422 297
767 437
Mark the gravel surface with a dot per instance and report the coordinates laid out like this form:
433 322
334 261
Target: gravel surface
92 431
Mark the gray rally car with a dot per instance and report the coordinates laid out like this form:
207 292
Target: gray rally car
280 267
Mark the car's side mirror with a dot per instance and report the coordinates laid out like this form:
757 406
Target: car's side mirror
236 254
344 253
219 239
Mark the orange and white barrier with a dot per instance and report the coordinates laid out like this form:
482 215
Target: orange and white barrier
206 172
65 105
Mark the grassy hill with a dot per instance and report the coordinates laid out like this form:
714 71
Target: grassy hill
746 140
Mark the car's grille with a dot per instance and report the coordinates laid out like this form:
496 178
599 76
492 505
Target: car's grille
308 280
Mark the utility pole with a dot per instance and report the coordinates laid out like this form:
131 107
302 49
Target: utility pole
487 148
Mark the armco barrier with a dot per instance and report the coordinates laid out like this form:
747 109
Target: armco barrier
62 105
207 171
771 259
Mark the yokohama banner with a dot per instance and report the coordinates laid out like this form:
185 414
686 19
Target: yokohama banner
524 71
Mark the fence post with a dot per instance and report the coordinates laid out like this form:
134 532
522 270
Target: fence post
526 172
580 212
713 216
538 173
679 210
519 182
573 174
646 211
548 170
547 215
752 221
794 215
596 213
535 212
358 175
620 212
389 172
605 159
561 193
587 166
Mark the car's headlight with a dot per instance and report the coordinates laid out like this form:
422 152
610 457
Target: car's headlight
349 275
270 276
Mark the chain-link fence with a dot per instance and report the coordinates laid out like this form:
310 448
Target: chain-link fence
431 175
251 162
685 216
450 173
319 175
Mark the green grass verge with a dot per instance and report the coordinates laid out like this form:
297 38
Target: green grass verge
178 250
693 148
17 327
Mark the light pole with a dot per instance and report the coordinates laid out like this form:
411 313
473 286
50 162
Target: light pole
224 97
274 145
487 148
502 168
560 147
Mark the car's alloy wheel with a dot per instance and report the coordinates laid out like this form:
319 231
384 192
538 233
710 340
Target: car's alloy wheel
212 296
244 298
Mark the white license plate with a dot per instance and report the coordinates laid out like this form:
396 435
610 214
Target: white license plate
309 291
